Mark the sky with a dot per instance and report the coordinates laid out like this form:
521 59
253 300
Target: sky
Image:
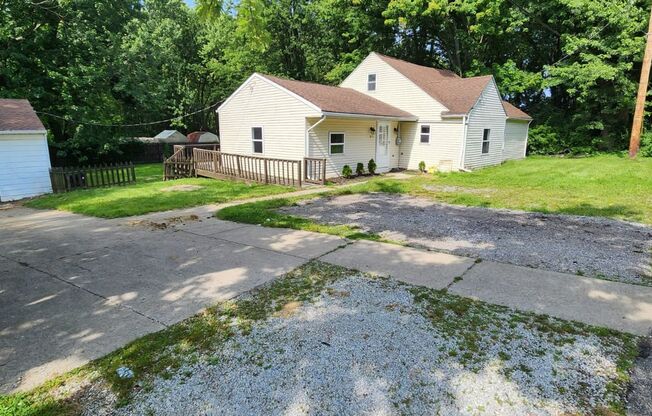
190 2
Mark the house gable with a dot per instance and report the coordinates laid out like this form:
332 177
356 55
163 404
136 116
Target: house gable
487 113
394 88
259 102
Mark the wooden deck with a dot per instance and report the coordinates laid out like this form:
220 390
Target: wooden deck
212 163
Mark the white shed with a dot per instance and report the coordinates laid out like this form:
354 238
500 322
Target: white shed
24 157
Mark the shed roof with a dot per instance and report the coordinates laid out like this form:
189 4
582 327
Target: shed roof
332 99
18 115
167 133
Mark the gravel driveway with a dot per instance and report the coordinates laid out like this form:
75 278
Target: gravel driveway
592 246
367 346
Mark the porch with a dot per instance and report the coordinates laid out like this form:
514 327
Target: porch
350 140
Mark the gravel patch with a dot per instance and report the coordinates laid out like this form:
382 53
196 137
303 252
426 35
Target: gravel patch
640 397
365 346
592 246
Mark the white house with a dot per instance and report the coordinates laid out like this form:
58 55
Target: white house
24 156
393 111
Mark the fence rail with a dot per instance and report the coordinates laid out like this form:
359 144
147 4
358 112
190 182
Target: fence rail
214 164
70 178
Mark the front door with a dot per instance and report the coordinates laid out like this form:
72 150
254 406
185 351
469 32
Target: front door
382 146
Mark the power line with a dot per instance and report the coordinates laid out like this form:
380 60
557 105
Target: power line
150 123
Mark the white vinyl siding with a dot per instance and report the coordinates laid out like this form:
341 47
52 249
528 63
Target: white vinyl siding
24 166
488 113
444 147
516 133
262 104
394 88
360 143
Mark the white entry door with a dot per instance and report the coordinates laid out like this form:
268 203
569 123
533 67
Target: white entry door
382 146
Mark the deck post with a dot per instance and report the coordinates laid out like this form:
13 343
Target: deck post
299 173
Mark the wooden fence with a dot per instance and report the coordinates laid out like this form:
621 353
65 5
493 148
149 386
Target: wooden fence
216 164
70 178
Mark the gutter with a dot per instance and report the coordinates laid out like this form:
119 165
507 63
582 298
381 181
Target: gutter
374 116
23 132
307 138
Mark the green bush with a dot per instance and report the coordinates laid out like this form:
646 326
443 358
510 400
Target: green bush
359 169
646 144
422 166
543 140
346 171
371 167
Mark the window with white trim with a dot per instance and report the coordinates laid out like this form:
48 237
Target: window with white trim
425 134
485 141
257 139
371 82
335 143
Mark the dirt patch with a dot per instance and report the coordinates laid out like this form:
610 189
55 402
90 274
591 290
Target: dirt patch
165 223
592 246
182 188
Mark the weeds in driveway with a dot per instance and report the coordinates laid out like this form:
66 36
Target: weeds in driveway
473 335
163 353
264 213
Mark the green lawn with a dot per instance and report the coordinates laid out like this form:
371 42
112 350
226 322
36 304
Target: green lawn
608 186
147 195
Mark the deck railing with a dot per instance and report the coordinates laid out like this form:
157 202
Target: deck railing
179 165
216 164
314 170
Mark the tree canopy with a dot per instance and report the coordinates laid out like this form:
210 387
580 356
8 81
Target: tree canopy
572 64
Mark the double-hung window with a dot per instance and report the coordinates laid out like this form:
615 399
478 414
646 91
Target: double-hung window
485 141
371 82
257 139
425 134
336 143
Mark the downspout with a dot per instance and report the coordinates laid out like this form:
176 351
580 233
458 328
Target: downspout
465 120
307 138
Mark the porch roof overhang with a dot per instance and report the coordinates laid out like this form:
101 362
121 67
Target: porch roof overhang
332 114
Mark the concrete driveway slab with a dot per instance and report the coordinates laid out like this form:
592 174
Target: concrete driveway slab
615 305
302 244
418 267
75 288
48 327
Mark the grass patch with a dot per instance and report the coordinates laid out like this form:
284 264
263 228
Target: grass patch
606 186
264 213
476 327
163 352
147 195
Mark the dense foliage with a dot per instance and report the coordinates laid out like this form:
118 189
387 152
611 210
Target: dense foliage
572 64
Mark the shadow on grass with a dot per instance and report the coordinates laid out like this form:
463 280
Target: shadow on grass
590 210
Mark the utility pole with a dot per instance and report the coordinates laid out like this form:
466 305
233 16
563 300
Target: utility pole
637 125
